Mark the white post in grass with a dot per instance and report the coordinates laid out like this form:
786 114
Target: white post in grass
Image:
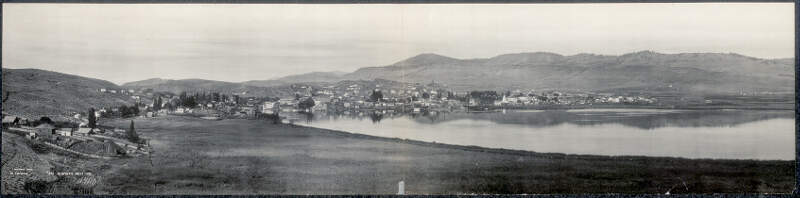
401 188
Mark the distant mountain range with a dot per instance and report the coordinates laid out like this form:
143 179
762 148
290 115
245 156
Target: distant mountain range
644 71
300 78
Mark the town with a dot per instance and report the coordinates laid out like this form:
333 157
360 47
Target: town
354 97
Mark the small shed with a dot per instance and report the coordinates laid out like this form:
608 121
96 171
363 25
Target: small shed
31 135
45 128
11 121
64 132
84 131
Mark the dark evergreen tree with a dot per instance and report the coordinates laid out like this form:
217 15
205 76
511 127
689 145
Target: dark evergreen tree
376 96
92 118
132 136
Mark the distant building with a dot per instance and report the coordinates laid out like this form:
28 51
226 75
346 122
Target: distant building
63 132
45 128
84 131
9 121
31 135
247 110
270 107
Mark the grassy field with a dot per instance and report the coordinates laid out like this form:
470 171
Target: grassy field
195 156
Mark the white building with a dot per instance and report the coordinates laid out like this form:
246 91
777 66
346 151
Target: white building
269 107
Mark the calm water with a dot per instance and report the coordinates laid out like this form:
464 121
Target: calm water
728 134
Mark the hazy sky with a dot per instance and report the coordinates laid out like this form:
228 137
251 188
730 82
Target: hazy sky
128 42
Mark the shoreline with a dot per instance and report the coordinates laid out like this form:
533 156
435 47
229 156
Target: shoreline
521 152
303 159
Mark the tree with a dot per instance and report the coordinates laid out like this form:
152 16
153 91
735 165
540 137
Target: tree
215 97
92 118
188 101
46 120
132 136
376 96
484 97
306 104
5 98
157 103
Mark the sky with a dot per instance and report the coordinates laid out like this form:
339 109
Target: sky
129 42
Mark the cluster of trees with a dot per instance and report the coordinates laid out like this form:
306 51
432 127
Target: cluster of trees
128 111
192 100
187 101
123 111
485 97
306 103
157 103
376 96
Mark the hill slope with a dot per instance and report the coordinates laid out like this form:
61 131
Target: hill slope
646 70
199 85
300 78
36 93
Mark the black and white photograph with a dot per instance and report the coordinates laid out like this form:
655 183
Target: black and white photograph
398 99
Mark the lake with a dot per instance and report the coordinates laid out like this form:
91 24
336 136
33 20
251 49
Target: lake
716 134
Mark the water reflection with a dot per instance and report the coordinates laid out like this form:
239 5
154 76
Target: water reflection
729 134
639 118
376 117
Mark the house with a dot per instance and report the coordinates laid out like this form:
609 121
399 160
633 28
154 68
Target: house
247 110
287 101
270 107
320 107
63 132
45 128
31 135
9 121
84 131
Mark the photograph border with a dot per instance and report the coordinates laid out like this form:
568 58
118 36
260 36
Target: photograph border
795 192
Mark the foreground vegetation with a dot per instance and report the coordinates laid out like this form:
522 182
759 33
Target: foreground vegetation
195 156
236 156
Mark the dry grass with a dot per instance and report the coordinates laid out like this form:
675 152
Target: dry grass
195 156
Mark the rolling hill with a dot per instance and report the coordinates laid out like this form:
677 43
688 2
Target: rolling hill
646 70
36 93
200 85
311 77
